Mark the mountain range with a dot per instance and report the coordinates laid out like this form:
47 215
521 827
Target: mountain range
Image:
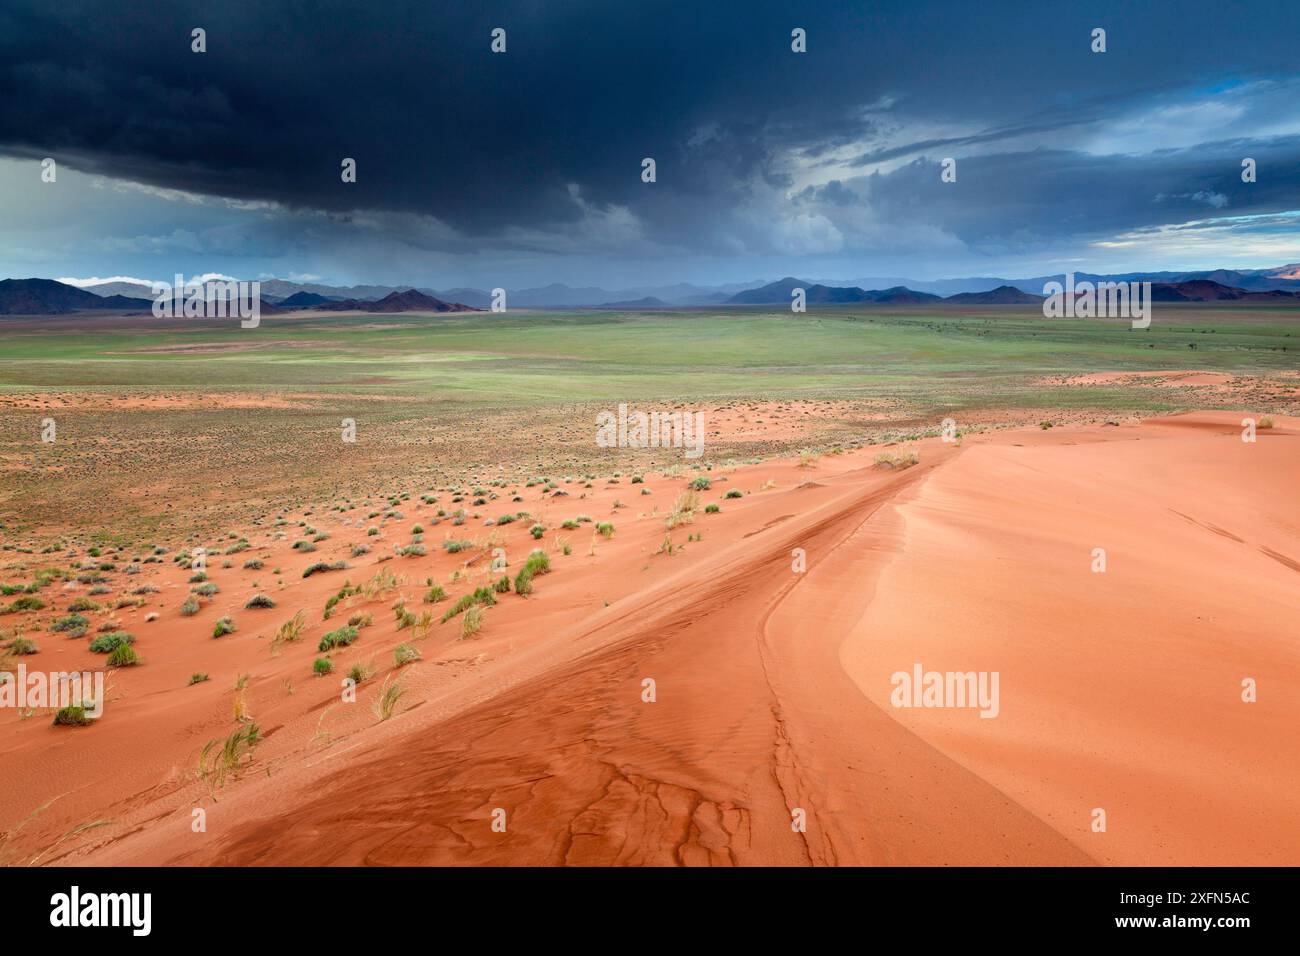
50 297
557 295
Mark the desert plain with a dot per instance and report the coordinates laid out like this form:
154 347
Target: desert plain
700 669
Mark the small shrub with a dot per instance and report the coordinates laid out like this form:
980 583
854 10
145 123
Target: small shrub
538 563
72 716
25 603
405 654
502 586
223 627
83 604
711 509
896 462
322 566
123 655
733 493
699 483
343 594
435 594
259 600
107 643
198 677
71 623
322 666
190 607
472 623
605 529
404 617
253 564
341 637
360 673
537 530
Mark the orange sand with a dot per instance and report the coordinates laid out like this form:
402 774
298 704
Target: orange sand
1119 690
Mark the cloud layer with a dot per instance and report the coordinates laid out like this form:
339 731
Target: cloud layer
526 166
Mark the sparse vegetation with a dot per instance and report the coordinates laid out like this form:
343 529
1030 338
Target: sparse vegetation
538 563
123 655
107 643
360 673
74 625
74 715
896 462
684 509
472 623
483 596
289 631
340 637
390 692
25 603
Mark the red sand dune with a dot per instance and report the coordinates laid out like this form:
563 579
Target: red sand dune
1118 690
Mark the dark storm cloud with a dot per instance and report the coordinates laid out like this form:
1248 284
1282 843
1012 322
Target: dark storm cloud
506 150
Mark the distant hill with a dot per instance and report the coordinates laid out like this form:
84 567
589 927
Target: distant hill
901 295
816 293
132 290
778 291
408 301
1002 295
1204 290
47 297
304 300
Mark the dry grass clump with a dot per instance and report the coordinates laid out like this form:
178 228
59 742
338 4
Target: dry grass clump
390 692
897 462
684 508
472 622
237 745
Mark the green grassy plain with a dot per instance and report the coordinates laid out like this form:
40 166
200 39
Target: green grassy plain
441 396
539 358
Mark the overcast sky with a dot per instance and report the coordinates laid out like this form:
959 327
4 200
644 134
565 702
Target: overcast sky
524 168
